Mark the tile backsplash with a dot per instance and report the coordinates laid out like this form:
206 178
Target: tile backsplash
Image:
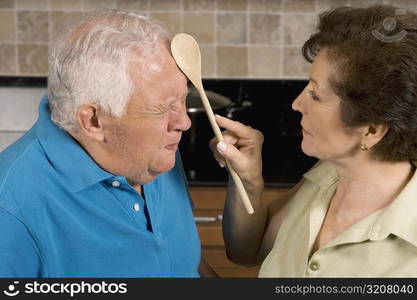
238 38
19 110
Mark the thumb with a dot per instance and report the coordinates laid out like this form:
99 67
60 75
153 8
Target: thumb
230 152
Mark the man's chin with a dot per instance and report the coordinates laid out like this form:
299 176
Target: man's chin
163 168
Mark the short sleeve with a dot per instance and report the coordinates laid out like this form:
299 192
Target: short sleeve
19 256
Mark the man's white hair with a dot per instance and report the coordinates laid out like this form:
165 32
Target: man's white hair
90 64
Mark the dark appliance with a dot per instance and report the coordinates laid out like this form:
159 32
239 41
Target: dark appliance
262 104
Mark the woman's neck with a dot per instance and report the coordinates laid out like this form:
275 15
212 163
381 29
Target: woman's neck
369 185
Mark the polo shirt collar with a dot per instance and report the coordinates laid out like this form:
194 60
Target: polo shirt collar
76 168
321 175
398 218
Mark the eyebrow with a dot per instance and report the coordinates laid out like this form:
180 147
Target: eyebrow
183 96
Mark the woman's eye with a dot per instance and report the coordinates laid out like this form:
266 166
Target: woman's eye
313 96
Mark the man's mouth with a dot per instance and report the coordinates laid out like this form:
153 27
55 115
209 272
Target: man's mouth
172 147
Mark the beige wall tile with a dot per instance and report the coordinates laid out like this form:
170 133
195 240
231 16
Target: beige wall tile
265 29
199 5
265 62
6 3
237 5
232 61
298 5
66 5
31 4
208 61
295 66
33 26
269 25
97 4
297 28
322 5
142 5
19 107
200 26
170 20
231 28
7 138
8 59
165 5
62 21
33 59
264 5
7 26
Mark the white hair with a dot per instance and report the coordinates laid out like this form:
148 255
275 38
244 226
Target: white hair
90 64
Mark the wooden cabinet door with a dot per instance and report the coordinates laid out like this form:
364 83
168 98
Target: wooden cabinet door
209 202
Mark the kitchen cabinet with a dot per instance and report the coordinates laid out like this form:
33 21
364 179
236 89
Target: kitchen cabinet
209 202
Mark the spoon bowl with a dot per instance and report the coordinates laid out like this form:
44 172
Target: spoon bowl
186 53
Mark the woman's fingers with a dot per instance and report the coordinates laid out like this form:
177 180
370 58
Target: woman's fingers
232 154
241 147
236 128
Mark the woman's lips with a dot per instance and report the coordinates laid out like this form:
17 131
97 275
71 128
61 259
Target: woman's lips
305 131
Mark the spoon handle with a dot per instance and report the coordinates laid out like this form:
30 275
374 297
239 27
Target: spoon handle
238 182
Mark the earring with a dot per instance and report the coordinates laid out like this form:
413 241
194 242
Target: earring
364 147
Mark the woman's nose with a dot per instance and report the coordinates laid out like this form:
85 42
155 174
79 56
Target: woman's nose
296 105
299 103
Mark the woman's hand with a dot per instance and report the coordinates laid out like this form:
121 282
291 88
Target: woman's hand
243 233
242 147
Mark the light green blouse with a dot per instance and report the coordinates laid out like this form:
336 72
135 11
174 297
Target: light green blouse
383 244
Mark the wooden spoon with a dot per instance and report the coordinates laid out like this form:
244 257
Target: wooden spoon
186 53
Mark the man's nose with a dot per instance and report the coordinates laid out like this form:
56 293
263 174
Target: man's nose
181 121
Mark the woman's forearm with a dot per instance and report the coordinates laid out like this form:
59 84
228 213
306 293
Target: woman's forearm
242 232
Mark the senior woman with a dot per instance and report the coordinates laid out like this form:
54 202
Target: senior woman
355 212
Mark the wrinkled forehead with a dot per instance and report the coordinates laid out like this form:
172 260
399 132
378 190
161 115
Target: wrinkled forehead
156 72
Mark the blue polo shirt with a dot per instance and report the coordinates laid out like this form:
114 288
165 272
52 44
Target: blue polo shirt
61 215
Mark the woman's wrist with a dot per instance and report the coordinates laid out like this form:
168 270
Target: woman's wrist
253 187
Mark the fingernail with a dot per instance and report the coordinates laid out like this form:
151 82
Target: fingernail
221 146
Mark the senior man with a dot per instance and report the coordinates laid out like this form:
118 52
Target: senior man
96 187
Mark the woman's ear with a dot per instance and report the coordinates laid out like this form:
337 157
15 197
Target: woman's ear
89 122
373 134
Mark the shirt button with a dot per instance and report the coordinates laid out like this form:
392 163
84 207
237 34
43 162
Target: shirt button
115 183
136 207
314 266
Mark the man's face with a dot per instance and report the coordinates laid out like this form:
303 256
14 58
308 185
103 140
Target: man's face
142 143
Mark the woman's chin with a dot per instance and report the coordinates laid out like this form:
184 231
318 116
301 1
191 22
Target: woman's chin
306 149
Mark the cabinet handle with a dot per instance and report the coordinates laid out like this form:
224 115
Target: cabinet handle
205 219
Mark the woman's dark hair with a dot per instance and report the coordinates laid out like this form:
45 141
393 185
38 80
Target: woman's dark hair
374 51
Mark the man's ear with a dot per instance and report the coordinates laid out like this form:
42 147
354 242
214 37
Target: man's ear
89 122
374 133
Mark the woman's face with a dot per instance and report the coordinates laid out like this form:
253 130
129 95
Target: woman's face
325 136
